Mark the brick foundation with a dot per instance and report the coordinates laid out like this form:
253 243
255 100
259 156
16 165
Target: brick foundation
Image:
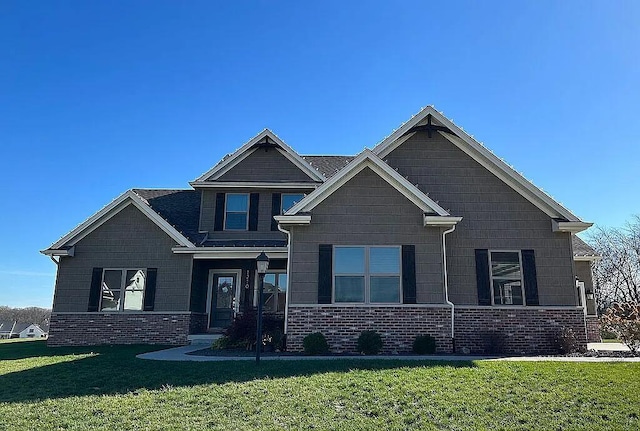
593 329
82 329
525 330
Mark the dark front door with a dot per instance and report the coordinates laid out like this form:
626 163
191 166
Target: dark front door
223 300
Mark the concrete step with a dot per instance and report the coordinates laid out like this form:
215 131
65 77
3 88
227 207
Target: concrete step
204 339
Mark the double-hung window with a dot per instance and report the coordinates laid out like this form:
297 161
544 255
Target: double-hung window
367 274
122 289
289 200
236 215
506 277
275 292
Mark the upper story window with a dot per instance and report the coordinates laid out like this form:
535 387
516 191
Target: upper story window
367 274
289 200
506 277
122 289
236 211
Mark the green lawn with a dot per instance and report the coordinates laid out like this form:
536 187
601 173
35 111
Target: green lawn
108 388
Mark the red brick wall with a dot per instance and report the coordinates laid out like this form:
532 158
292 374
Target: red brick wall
81 329
525 330
593 329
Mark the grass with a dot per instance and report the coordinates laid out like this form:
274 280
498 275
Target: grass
107 388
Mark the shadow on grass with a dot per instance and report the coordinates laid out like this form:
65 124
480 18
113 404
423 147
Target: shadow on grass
116 370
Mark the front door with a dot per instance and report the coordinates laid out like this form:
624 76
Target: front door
223 299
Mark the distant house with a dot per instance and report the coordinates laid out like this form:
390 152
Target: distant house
6 329
28 330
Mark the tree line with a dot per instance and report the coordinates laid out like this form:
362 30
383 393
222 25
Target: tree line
37 315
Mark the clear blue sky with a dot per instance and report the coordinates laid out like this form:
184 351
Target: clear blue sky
98 97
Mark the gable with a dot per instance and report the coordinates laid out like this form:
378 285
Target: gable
265 164
430 121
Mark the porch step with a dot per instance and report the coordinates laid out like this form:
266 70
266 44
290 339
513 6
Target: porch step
207 339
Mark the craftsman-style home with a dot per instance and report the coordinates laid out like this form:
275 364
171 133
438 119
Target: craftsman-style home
429 232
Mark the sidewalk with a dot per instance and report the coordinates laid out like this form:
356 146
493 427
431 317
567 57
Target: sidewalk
180 354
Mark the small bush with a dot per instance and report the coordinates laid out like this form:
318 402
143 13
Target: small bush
221 343
623 319
315 344
566 342
424 345
369 343
494 343
242 330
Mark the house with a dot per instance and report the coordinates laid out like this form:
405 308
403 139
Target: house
6 329
428 232
28 330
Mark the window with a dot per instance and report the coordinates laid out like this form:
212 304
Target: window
367 274
122 289
275 292
30 330
506 277
289 200
236 215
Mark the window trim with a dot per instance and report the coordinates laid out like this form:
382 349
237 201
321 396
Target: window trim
282 195
257 286
123 281
226 211
524 298
367 275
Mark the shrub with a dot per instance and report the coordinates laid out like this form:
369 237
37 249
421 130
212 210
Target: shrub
623 319
242 330
369 342
566 342
315 344
424 345
494 342
221 343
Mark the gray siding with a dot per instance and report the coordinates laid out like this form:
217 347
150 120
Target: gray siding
127 240
264 231
366 211
265 164
495 217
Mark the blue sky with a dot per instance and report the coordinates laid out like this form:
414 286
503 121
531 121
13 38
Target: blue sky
99 97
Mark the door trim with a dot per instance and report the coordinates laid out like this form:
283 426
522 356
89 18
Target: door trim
212 273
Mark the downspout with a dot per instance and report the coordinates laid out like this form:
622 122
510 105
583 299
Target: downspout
446 285
54 260
286 302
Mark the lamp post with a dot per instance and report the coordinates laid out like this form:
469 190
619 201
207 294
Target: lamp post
262 262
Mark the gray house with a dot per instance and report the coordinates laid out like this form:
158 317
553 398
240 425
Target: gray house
427 233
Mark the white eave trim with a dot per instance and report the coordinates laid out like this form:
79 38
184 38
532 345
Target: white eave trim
60 252
118 204
430 220
251 185
244 151
569 226
367 159
231 252
482 155
587 258
293 219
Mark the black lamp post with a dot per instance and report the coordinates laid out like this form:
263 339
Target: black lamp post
263 265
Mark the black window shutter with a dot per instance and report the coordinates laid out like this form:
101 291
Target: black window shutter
409 274
325 273
254 202
530 277
276 203
218 223
94 292
483 279
150 289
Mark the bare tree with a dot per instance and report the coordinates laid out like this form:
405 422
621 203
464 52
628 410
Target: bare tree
617 274
37 315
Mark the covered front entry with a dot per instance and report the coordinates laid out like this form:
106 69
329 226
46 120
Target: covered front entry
223 297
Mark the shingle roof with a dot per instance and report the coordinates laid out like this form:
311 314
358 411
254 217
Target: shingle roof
6 327
181 208
328 165
581 248
21 327
245 243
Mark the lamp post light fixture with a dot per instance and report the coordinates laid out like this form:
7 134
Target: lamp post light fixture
262 262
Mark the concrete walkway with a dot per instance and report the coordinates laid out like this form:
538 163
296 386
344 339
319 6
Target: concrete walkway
180 354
